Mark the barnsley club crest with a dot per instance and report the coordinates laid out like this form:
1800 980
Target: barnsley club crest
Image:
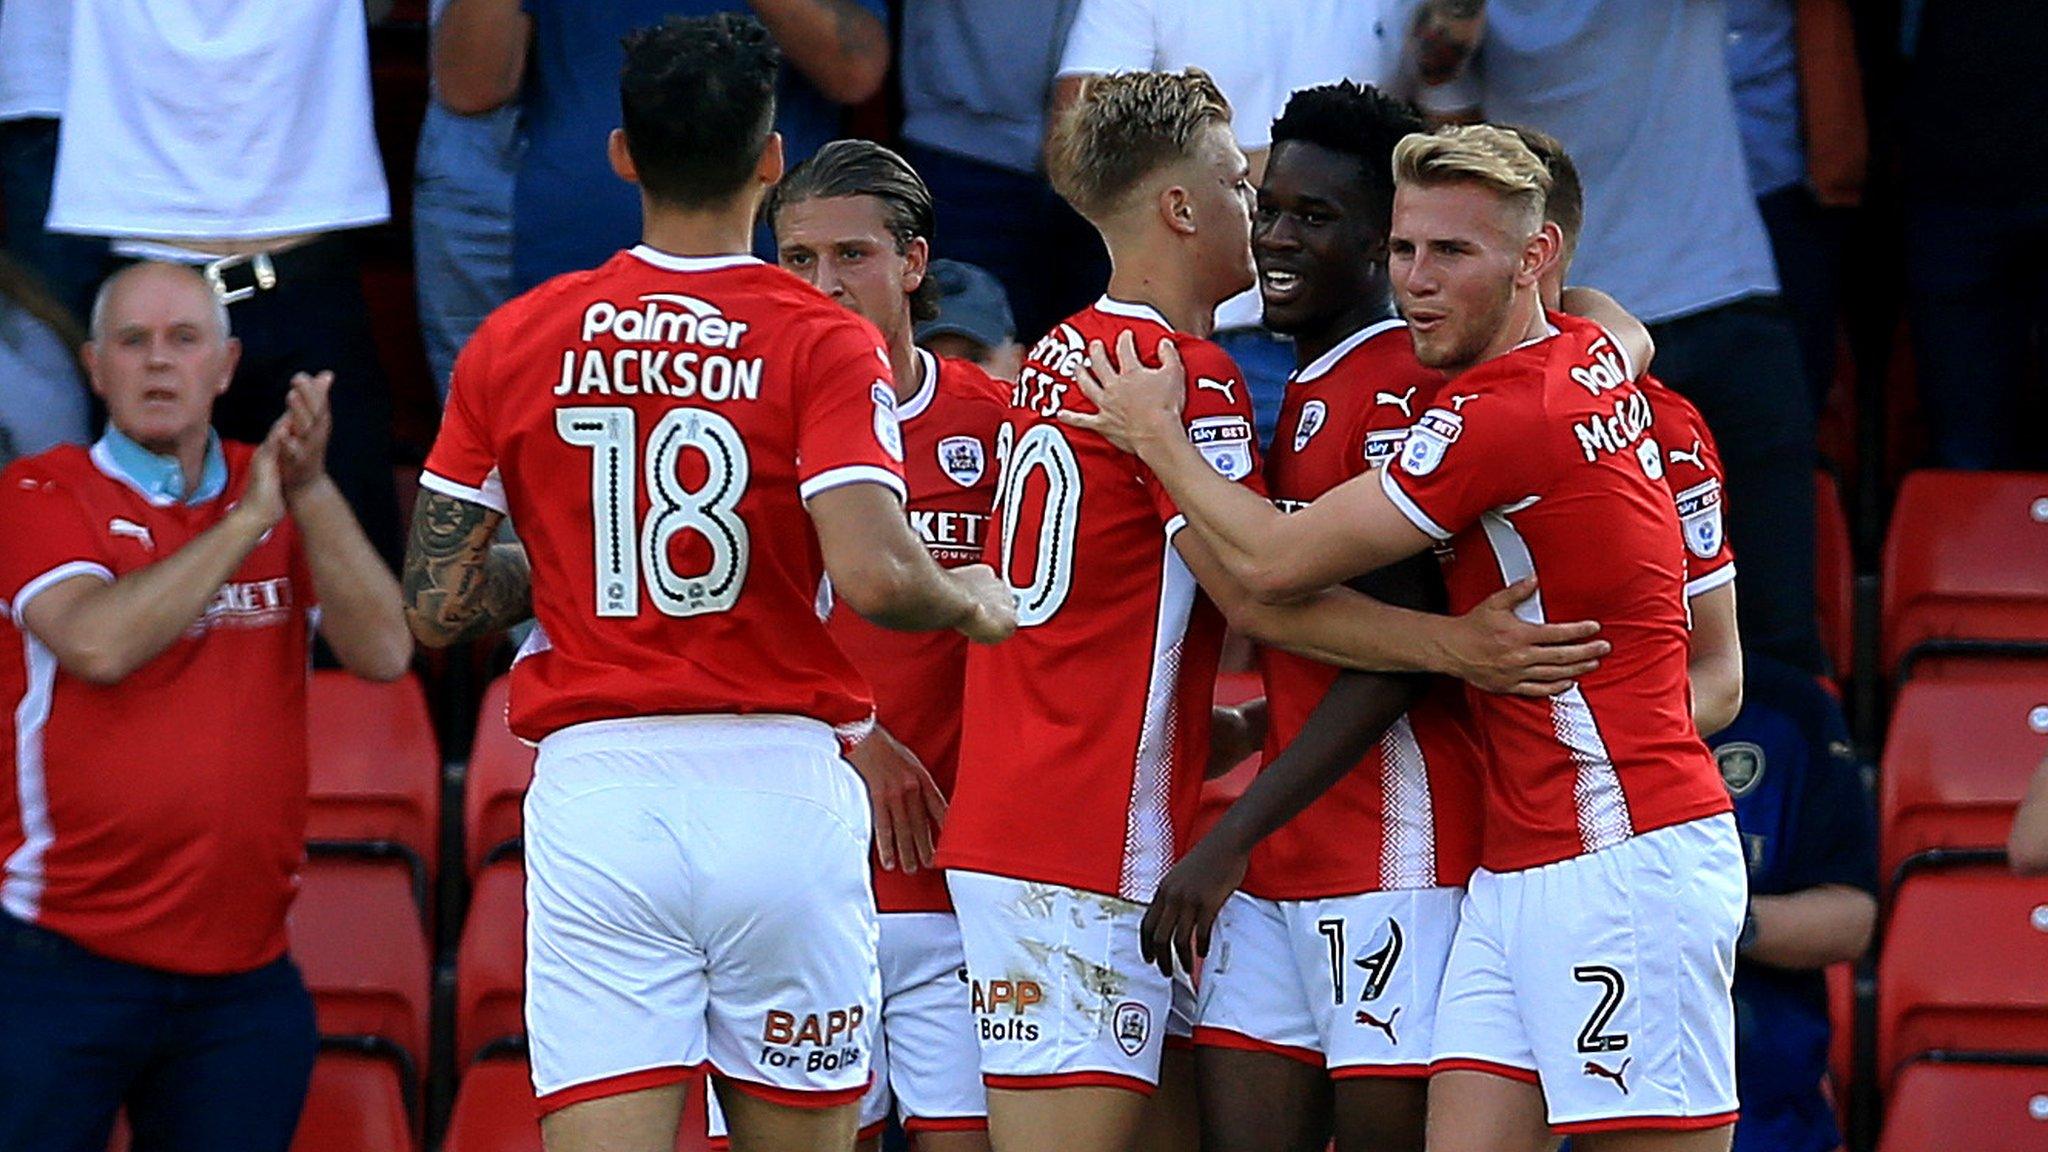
962 459
1313 414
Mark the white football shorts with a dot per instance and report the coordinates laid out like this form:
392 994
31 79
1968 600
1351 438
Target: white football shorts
697 894
1060 993
1346 983
926 1064
1606 978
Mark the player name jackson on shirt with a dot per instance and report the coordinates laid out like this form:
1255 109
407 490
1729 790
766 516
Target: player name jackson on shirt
654 426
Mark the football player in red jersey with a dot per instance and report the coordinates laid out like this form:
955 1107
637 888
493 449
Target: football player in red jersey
855 221
1588 985
689 441
1315 1016
1082 763
1692 469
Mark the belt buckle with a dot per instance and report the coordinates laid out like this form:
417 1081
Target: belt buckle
260 267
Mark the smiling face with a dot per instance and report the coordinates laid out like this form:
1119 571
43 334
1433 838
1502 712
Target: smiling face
1457 255
159 356
1318 253
842 246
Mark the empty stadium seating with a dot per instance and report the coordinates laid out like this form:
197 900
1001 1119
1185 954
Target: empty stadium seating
500 765
1966 560
490 976
357 938
375 767
1949 1107
1956 763
356 1104
494 1111
1964 966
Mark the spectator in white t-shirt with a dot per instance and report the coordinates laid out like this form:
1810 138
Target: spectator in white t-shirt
1258 54
35 52
237 136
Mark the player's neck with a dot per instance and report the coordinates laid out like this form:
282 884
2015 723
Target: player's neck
1526 322
1371 308
724 231
1166 286
905 364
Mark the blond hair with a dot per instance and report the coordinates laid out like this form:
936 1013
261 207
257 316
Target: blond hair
1124 127
1493 158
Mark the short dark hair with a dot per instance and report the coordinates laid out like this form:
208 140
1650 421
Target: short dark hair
697 101
865 168
1566 204
1356 120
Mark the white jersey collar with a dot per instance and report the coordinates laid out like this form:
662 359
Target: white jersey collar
1321 365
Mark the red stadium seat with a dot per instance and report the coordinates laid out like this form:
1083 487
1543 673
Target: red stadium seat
1841 980
357 938
375 768
356 1104
494 1112
1964 966
1956 763
1942 1107
500 767
490 971
1966 559
1834 575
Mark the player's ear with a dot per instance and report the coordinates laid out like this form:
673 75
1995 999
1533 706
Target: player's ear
621 157
1177 208
1539 252
1555 235
917 257
227 370
768 170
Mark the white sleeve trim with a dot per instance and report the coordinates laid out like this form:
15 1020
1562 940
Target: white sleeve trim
54 576
491 494
854 474
1410 508
1709 582
1174 526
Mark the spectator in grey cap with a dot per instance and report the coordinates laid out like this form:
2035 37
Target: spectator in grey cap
974 321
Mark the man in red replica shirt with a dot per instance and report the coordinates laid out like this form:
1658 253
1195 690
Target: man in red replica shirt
1588 986
160 592
689 441
855 221
1088 733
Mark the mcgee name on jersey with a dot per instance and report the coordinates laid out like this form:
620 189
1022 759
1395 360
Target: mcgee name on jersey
661 318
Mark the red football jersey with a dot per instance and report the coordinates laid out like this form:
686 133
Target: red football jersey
1090 731
158 821
653 427
1542 463
1408 815
949 438
1692 470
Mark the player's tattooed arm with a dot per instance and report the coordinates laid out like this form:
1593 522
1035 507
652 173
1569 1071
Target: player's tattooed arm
458 584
